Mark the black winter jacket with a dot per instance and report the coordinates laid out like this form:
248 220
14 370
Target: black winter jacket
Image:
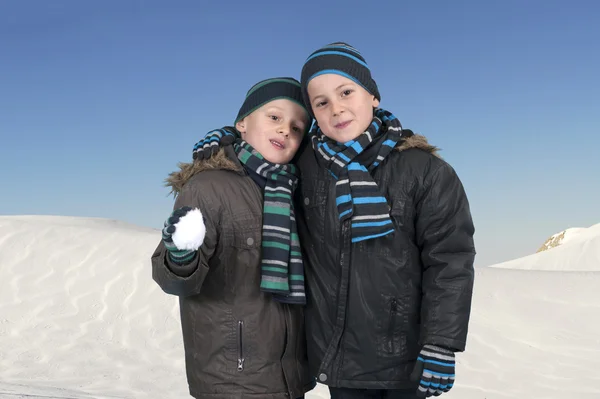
373 304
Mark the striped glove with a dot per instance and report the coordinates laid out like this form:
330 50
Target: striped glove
183 234
434 371
213 141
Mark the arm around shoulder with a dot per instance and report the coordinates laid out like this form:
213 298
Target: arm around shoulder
445 236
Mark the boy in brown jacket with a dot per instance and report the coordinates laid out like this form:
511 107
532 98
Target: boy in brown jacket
230 251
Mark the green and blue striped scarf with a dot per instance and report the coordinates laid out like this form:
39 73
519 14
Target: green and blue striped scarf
282 269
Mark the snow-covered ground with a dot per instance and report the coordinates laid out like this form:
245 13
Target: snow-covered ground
80 317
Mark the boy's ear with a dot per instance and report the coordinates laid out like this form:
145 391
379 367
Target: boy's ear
375 102
241 126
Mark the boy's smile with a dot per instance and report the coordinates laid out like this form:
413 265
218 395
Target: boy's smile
342 107
279 144
342 125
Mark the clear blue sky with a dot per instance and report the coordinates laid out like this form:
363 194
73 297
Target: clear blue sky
100 100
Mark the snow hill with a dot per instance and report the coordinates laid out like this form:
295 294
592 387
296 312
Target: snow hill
576 249
561 238
80 317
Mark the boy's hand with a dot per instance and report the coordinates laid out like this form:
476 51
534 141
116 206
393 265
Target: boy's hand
183 234
434 370
213 142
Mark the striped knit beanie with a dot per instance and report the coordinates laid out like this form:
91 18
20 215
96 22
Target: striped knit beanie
269 90
338 58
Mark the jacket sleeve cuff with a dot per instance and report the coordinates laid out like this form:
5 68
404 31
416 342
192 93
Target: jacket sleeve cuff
450 344
182 270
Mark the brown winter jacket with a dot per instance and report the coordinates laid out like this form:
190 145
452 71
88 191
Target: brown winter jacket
239 343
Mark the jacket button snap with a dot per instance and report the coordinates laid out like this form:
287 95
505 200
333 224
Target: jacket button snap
306 201
250 241
322 377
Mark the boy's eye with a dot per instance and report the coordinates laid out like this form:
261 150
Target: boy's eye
347 92
320 104
274 117
296 129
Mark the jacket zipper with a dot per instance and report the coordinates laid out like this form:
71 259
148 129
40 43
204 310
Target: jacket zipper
392 324
345 237
240 362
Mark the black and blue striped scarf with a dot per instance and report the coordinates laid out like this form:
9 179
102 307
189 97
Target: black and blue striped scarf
357 195
282 269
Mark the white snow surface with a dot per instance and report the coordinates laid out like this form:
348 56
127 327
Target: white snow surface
80 317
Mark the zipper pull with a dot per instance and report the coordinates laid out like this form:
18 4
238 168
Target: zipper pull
240 365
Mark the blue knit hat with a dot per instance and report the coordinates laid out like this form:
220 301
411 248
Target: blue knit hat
338 58
269 90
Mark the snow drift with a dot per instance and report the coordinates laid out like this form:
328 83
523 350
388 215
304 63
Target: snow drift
576 249
80 317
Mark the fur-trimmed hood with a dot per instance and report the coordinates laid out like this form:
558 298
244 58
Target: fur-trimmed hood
420 142
221 161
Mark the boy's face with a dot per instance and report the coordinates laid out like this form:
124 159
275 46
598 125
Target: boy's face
343 108
275 130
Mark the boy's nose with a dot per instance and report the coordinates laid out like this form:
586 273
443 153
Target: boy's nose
336 109
283 129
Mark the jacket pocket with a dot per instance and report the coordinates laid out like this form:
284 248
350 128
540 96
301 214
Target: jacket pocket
241 243
240 346
392 336
392 325
311 205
